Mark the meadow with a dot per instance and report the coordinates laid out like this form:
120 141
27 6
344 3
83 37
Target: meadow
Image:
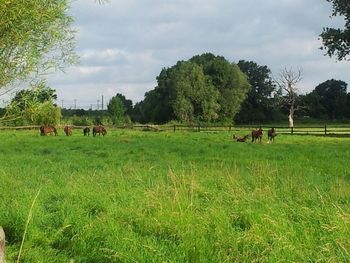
137 196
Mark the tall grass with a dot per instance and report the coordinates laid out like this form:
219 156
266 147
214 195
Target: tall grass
175 197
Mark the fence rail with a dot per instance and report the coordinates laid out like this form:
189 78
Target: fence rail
326 130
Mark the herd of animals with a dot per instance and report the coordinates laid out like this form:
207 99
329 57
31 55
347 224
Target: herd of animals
257 135
45 130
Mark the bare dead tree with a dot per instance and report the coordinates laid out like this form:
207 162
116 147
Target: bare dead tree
287 81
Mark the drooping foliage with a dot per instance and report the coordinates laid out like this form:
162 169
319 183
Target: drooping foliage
33 106
34 36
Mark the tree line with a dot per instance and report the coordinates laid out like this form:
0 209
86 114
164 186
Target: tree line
203 89
37 37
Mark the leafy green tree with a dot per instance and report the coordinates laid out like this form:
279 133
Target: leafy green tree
127 103
257 107
33 106
155 107
193 97
47 113
34 36
39 92
116 110
336 41
313 106
205 88
228 79
333 97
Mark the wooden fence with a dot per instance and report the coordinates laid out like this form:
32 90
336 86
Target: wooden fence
325 130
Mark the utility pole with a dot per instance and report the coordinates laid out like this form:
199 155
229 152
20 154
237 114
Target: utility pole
75 104
62 103
98 104
102 102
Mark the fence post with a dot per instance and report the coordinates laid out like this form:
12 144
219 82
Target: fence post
2 245
174 127
199 127
230 128
325 130
291 130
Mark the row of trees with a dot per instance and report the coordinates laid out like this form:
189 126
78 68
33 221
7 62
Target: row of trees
206 88
36 36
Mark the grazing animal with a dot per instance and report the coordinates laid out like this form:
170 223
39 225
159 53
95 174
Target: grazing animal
45 130
86 131
68 130
257 135
271 134
240 139
99 129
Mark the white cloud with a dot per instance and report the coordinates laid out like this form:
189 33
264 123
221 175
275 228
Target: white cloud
125 44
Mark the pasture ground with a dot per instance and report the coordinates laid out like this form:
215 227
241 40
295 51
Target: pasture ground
175 197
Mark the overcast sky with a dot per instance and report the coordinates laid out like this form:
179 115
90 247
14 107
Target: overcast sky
124 45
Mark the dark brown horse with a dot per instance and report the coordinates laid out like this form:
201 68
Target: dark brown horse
86 131
100 130
45 130
271 134
240 139
68 130
257 135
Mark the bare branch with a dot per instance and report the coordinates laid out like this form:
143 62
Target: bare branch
287 81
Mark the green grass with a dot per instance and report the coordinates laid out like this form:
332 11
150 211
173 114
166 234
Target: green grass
175 197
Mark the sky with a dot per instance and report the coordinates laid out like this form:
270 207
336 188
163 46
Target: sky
123 45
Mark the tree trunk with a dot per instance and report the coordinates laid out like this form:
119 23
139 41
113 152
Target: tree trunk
2 245
291 117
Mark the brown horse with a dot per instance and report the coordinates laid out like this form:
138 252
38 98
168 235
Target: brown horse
68 130
271 134
86 131
99 129
257 135
240 139
45 130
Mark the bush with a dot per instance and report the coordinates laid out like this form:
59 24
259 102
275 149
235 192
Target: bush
47 114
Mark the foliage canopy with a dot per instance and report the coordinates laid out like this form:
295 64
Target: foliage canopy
205 88
34 106
35 36
336 41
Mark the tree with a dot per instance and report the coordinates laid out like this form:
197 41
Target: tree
257 107
313 106
194 98
155 107
228 79
127 103
205 88
33 106
35 36
287 81
333 97
336 41
116 110
39 92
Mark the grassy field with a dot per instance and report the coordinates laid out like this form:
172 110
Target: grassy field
175 197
